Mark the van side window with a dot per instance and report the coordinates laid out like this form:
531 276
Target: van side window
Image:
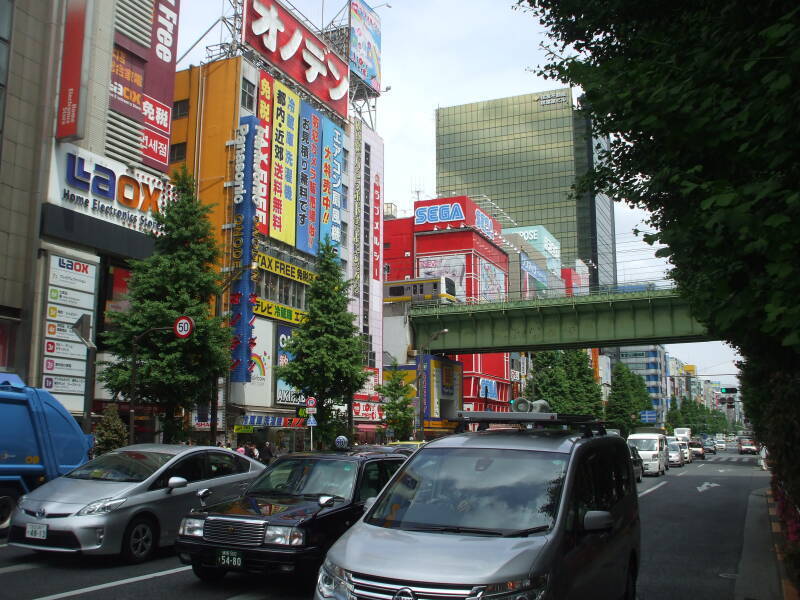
622 473
602 467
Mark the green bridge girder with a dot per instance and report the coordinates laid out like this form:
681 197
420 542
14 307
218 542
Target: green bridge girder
621 319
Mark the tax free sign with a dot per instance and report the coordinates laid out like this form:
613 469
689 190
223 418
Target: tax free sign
456 212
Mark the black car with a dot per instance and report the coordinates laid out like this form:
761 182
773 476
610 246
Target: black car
288 517
709 446
638 465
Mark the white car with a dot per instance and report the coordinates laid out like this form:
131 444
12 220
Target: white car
652 448
687 454
720 444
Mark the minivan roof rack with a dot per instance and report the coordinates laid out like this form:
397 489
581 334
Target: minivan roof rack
589 424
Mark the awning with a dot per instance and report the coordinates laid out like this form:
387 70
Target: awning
367 426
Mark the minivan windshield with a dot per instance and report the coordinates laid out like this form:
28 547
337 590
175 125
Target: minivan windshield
473 491
674 447
648 444
307 476
125 465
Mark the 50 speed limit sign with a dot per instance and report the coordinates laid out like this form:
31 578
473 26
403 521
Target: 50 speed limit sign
183 327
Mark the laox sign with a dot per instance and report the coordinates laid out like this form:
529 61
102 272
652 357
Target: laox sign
105 183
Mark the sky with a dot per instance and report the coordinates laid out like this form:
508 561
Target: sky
435 54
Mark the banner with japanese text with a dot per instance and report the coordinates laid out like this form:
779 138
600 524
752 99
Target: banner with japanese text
308 181
284 393
286 125
332 169
264 112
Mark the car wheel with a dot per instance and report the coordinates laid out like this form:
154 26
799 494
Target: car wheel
208 574
139 541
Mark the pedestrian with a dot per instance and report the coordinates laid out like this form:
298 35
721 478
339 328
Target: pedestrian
248 450
240 449
254 450
763 460
267 454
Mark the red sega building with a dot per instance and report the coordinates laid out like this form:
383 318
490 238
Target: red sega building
453 237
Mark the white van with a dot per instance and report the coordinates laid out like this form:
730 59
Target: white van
652 448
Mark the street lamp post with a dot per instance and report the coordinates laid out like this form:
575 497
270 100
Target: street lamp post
419 429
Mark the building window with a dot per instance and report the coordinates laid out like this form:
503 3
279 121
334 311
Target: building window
248 95
345 191
177 152
180 109
346 160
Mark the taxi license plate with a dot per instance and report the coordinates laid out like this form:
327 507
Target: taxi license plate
36 531
229 558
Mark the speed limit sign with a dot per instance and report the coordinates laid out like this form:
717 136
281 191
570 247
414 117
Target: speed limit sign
183 327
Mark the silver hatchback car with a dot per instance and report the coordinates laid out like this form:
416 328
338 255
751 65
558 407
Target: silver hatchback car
128 501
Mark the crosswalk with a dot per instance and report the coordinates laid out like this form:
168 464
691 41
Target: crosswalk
742 459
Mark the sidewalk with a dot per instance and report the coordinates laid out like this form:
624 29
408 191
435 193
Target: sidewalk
761 573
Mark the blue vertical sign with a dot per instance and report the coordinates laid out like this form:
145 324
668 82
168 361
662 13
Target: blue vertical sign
244 216
284 393
309 167
332 171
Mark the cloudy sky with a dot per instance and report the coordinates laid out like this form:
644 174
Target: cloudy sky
437 53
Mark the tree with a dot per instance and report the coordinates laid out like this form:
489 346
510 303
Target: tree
564 380
696 98
328 351
110 432
626 399
177 279
398 408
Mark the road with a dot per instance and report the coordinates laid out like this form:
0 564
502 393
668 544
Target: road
693 523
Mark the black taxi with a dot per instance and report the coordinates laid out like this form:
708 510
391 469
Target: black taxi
288 517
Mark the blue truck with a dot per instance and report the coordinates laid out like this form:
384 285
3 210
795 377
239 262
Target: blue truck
39 441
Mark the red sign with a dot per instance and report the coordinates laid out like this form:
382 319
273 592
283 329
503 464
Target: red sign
371 411
183 327
156 114
368 392
127 83
456 212
71 67
283 41
311 402
155 146
377 204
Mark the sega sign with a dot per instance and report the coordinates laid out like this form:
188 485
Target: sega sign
107 190
484 223
439 213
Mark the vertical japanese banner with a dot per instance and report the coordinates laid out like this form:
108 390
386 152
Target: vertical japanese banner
332 170
243 290
286 125
284 393
308 180
264 111
71 108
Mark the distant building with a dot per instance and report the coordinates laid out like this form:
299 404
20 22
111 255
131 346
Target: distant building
649 362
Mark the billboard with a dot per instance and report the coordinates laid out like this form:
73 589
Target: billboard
453 266
143 77
74 72
543 241
259 389
284 393
105 189
331 189
308 180
491 281
365 43
266 87
373 195
286 124
458 211
273 32
244 252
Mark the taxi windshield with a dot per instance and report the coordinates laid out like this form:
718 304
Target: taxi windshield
308 476
476 489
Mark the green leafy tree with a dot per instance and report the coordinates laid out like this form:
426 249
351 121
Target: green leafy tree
110 433
626 399
697 100
177 279
564 379
328 351
398 407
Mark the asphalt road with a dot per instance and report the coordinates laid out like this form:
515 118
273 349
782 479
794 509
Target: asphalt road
692 529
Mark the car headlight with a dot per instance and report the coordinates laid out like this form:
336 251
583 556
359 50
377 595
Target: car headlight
520 589
332 580
191 527
101 507
285 536
21 501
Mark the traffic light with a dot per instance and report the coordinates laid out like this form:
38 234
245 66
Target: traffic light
728 390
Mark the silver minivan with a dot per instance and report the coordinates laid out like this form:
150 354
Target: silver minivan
501 514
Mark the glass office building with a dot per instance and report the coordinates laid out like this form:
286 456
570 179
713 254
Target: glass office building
525 153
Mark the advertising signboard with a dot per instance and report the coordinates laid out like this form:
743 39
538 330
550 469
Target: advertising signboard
365 43
488 388
308 180
330 225
273 32
266 90
258 391
143 76
458 211
284 393
74 74
446 379
64 366
543 241
368 411
530 267
104 189
281 312
244 250
491 281
368 392
286 124
453 266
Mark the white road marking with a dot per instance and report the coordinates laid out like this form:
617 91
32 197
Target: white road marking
104 586
19 567
706 486
723 470
682 473
655 487
699 466
248 596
